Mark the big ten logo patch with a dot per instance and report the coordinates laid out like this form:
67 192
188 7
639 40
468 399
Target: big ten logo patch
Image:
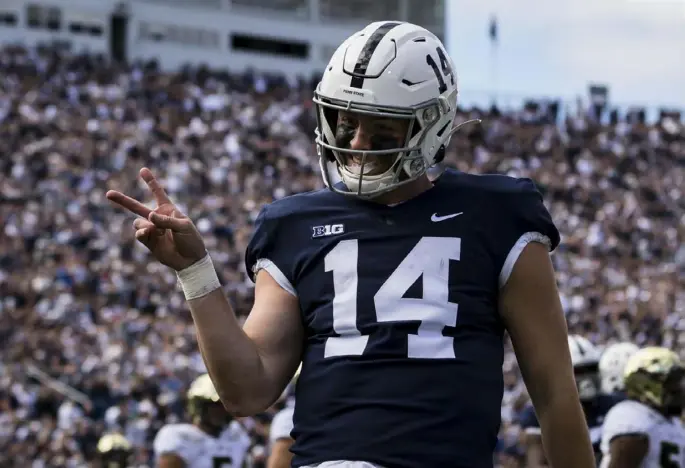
327 230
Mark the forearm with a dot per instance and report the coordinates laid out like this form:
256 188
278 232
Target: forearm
564 433
232 358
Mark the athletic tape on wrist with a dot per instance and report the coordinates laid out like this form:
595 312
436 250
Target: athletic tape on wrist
199 279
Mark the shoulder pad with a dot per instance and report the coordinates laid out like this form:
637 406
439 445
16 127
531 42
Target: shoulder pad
491 183
184 440
515 215
281 235
628 418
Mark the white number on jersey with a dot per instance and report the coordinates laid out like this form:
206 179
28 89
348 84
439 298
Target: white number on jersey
428 260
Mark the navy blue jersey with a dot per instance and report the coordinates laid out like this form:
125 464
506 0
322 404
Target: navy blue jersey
403 357
595 411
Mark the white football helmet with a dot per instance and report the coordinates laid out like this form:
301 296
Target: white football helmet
613 363
389 69
585 358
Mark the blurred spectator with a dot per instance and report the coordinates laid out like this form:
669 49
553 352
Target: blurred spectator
80 300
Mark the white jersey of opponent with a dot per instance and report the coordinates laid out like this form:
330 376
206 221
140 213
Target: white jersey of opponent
666 435
200 450
282 424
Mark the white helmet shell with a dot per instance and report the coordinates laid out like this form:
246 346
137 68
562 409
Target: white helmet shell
585 358
613 363
389 69
583 352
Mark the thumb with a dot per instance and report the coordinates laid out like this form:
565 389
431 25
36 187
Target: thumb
169 222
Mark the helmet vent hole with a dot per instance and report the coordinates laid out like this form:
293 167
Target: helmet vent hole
442 130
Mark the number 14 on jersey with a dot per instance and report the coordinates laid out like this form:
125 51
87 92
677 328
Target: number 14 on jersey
428 260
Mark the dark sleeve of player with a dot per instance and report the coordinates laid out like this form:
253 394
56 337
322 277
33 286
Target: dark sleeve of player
521 218
268 250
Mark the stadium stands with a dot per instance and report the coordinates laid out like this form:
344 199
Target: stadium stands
100 325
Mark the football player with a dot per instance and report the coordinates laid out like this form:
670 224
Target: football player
612 365
114 451
645 431
392 289
280 439
213 440
585 357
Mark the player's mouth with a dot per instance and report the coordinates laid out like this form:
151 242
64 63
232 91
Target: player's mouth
373 164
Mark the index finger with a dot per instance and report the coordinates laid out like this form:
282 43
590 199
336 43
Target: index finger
131 204
155 187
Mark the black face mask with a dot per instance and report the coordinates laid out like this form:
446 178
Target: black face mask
212 424
674 400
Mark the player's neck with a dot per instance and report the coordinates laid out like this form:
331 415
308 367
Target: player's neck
405 192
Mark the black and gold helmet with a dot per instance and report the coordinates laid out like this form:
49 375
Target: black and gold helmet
654 376
114 451
205 408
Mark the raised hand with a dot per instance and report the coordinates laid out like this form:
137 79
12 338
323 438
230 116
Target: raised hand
170 236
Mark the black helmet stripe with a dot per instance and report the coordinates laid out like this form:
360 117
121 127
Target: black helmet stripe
367 52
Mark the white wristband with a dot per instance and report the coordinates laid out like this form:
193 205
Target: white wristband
199 279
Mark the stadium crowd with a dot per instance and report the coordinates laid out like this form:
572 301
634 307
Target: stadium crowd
81 300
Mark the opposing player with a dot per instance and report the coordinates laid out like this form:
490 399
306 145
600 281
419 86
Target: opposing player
212 440
612 366
645 431
114 451
585 357
280 439
394 291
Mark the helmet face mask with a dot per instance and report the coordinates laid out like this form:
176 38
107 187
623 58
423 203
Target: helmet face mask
587 380
374 76
655 376
382 152
210 415
674 392
205 407
116 459
114 451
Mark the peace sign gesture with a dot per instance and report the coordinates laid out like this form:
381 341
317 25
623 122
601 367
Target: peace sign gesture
170 235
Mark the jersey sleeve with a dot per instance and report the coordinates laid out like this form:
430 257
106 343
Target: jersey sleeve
626 418
281 425
522 218
268 250
171 439
529 421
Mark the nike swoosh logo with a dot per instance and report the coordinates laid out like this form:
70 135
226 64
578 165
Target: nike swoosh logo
436 219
